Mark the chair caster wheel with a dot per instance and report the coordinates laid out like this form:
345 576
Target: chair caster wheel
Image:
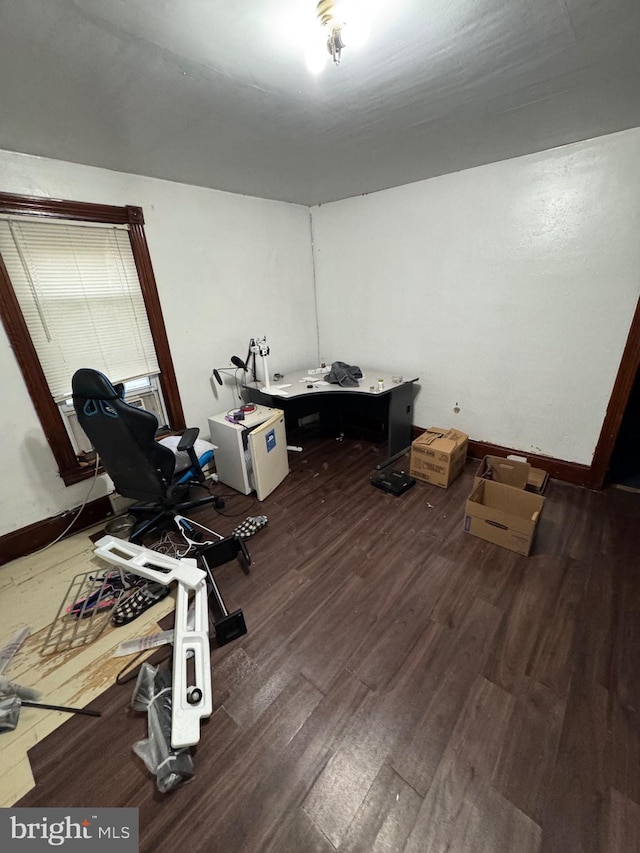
219 503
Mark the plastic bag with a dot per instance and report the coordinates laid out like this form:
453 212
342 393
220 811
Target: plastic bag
11 688
9 713
171 767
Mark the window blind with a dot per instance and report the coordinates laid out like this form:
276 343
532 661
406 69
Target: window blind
78 289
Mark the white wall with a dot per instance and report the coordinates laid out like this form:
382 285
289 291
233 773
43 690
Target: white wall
509 289
228 267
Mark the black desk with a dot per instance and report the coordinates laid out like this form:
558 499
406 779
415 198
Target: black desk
387 413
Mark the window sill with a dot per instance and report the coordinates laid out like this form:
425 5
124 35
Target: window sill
80 472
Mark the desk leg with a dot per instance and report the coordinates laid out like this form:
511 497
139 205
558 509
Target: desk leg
399 423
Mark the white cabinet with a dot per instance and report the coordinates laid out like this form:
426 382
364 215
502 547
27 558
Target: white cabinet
251 454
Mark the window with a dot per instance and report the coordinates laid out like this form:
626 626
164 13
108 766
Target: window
70 293
78 290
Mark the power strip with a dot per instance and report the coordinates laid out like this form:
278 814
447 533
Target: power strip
316 370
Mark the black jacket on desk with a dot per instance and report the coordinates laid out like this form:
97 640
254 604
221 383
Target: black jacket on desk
343 374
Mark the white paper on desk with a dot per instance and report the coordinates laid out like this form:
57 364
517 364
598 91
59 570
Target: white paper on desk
310 380
278 391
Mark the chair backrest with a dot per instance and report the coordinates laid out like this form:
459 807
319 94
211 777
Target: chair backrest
124 436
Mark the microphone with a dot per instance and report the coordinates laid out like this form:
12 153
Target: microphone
235 361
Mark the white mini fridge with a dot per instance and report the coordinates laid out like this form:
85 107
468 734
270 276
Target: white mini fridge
251 454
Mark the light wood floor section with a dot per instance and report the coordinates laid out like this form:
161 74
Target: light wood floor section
31 590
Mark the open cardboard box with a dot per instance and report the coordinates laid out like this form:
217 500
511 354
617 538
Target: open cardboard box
511 472
537 481
503 515
501 470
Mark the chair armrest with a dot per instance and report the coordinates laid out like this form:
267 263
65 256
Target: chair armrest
186 443
188 438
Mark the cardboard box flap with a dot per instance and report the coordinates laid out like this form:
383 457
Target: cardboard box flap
444 440
430 435
477 492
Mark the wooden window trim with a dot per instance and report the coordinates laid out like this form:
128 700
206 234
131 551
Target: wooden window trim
69 467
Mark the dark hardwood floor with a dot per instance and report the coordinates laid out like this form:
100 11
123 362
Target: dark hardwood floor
403 686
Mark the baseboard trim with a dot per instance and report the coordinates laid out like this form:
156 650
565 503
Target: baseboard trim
28 539
569 472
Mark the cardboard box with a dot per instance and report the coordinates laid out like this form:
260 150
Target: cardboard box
503 515
501 470
537 480
438 456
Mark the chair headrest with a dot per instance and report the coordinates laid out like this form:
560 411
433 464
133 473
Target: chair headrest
90 384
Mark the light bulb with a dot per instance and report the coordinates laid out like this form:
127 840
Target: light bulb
316 56
343 23
357 25
355 22
355 33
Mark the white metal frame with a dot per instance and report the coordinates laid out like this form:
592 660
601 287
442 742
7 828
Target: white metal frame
190 702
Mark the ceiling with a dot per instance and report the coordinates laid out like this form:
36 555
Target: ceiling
217 93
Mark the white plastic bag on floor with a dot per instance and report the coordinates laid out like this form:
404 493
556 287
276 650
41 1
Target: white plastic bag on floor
171 767
9 713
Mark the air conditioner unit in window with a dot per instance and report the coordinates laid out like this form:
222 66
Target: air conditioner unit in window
150 401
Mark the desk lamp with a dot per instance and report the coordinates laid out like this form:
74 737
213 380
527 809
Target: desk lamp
258 346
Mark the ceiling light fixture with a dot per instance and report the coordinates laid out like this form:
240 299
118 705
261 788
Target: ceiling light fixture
331 19
343 24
